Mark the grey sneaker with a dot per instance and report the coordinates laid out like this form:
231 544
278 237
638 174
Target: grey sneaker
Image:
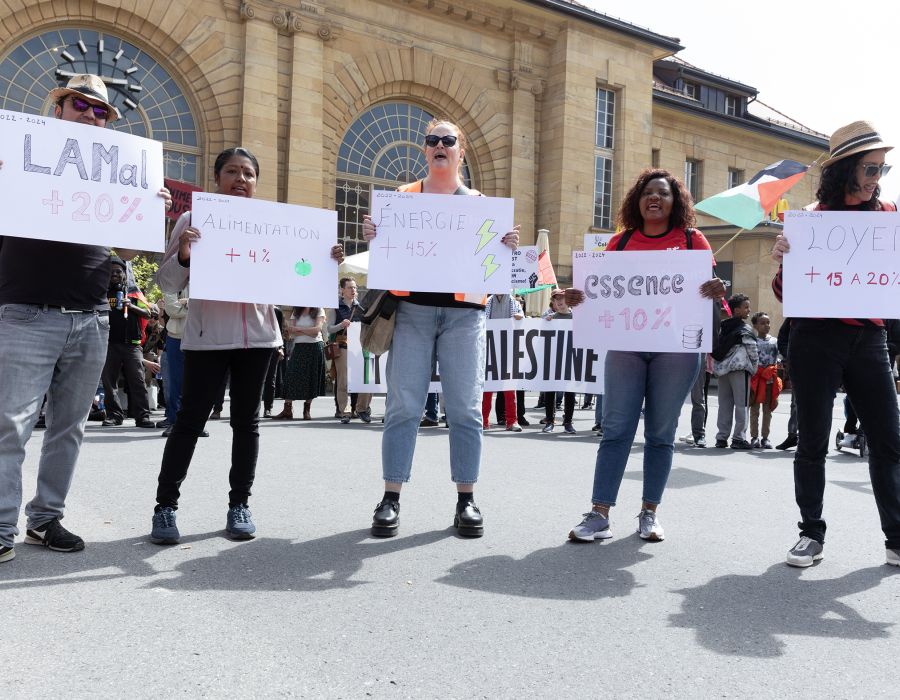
893 557
239 523
8 554
593 527
804 553
165 530
649 527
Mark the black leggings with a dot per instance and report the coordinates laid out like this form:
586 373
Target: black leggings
204 371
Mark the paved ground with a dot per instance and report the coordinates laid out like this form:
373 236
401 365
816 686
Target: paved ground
316 608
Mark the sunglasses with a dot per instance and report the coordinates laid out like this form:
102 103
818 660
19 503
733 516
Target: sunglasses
80 105
432 140
871 170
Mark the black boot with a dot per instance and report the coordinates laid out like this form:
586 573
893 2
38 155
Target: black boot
789 442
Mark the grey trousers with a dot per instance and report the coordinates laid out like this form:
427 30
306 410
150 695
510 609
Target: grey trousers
734 389
699 405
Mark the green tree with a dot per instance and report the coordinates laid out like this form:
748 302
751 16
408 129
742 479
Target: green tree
145 276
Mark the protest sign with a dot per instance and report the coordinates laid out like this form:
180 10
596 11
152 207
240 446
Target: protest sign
631 304
262 252
525 267
440 243
530 354
596 242
842 264
78 183
181 197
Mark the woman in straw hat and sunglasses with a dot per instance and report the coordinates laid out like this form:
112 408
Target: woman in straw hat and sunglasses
827 352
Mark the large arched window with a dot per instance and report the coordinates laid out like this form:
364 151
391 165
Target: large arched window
381 150
151 103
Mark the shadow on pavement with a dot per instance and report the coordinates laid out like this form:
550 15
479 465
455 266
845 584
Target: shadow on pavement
859 486
567 572
680 478
748 615
263 564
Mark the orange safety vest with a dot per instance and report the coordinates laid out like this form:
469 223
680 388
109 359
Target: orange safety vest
458 296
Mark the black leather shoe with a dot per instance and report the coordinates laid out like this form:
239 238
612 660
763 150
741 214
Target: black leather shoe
524 422
386 520
109 422
145 424
468 521
789 442
721 443
740 445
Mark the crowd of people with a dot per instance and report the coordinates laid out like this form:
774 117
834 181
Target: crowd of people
72 318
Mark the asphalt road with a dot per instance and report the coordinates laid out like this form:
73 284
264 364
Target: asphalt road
314 607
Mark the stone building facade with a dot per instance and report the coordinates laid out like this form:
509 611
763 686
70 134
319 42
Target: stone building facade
562 106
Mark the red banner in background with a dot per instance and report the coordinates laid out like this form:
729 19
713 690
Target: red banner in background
181 197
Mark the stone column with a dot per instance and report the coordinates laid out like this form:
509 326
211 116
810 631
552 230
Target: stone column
305 177
259 109
522 162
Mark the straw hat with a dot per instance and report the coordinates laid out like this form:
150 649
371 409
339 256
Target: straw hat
90 86
854 138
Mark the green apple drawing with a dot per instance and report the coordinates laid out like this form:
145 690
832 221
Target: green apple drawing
303 268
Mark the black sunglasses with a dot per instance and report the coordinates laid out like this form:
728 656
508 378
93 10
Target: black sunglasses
432 140
871 170
80 105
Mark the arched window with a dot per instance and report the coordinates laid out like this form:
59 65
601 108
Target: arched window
381 150
151 103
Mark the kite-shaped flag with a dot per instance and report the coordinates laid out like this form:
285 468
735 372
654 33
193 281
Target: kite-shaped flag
748 204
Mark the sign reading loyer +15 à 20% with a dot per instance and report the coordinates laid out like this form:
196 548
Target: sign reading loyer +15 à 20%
80 184
842 264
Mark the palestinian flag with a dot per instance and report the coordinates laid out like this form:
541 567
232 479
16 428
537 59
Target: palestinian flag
748 204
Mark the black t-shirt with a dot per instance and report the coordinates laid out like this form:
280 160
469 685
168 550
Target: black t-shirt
50 272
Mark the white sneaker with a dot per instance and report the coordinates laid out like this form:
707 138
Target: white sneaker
848 440
689 439
649 527
893 557
804 553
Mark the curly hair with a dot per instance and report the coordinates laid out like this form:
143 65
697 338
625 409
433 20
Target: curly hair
758 315
682 216
736 301
839 180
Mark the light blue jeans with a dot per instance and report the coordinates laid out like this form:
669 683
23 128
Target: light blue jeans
659 380
44 351
455 336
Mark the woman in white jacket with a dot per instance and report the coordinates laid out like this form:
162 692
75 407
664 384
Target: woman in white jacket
219 337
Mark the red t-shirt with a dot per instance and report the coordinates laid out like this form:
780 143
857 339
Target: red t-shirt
673 239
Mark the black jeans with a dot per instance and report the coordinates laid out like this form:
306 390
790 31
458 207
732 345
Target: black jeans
125 358
204 371
550 406
271 384
823 355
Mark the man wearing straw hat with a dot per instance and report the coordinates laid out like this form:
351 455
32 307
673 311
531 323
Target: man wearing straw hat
54 325
825 353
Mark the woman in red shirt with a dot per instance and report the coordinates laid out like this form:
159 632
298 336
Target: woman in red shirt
657 214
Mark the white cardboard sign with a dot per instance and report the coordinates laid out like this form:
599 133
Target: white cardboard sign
645 301
261 252
531 354
842 264
71 182
440 243
525 267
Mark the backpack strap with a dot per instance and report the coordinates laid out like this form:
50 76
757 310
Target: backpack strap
623 241
689 235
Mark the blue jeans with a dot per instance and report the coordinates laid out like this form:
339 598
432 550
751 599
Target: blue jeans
664 379
173 379
824 354
598 410
44 351
455 337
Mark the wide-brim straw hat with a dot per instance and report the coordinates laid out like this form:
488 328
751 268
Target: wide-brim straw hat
90 86
854 138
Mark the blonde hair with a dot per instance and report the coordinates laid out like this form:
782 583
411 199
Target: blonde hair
460 136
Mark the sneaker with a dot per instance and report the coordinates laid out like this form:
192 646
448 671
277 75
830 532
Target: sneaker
740 445
755 444
804 553
8 554
721 443
267 413
689 439
514 428
146 424
548 428
789 442
428 423
765 444
239 523
893 557
345 418
700 442
649 527
111 422
569 428
594 526
164 531
54 536
848 440
365 416
164 423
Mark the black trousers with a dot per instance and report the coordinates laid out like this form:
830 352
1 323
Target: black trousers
125 358
271 384
568 405
204 371
823 355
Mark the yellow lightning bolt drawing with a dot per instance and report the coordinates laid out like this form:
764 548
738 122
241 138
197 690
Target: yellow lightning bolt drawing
486 235
490 267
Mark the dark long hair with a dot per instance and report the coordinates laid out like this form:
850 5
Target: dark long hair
682 216
839 180
227 154
312 311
